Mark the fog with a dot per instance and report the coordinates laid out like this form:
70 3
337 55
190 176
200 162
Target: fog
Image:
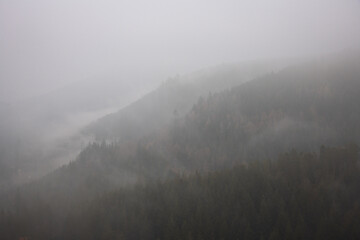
65 64
179 119
45 44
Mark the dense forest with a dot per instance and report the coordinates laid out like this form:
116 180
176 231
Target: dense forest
194 120
301 108
297 196
241 163
48 131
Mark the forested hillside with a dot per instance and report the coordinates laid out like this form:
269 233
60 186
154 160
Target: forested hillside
195 120
298 196
41 133
301 107
173 99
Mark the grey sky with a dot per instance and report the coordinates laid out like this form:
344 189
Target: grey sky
45 44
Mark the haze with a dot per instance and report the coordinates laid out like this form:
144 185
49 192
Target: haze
179 119
46 44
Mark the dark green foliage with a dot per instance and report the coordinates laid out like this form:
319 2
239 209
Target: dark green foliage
300 196
301 107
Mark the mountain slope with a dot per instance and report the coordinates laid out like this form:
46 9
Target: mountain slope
298 196
41 133
173 99
302 107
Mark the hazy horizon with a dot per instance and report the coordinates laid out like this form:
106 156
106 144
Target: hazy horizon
179 119
46 45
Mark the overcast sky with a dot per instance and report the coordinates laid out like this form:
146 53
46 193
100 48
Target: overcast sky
45 44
